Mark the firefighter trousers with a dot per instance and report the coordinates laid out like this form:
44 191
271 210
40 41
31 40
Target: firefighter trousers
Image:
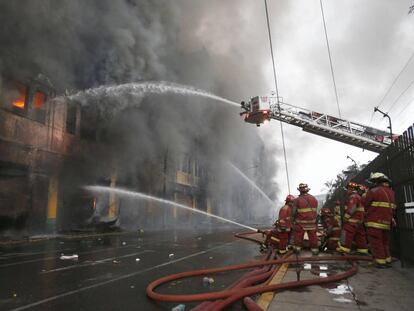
354 232
277 239
299 232
379 241
283 240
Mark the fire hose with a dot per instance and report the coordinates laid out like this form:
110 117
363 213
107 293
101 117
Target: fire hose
245 286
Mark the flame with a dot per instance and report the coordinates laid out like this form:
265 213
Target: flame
39 100
18 103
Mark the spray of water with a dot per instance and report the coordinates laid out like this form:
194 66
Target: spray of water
252 183
139 195
149 87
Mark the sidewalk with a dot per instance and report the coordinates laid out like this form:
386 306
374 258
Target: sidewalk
370 289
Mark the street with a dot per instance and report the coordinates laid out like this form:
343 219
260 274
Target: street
112 270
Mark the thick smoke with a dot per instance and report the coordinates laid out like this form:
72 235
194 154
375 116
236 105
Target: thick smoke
84 44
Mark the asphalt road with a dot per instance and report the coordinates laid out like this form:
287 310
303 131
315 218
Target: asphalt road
113 270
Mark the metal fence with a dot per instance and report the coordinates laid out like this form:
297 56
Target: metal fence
397 162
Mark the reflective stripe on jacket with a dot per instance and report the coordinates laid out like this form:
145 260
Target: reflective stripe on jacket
354 212
380 205
305 211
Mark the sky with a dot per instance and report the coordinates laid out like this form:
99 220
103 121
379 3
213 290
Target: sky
370 43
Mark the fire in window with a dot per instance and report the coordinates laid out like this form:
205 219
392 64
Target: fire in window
38 107
39 100
19 100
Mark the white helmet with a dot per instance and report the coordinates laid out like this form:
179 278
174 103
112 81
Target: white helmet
377 176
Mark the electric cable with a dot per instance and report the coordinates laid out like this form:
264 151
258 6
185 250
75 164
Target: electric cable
392 85
277 94
330 60
402 93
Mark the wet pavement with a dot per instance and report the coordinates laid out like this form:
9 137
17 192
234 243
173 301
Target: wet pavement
112 271
371 289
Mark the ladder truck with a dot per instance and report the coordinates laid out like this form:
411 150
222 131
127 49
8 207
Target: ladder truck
260 109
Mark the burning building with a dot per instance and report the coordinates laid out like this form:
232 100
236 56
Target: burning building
174 147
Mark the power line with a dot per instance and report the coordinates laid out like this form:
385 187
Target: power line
392 84
277 93
330 60
395 80
403 92
404 108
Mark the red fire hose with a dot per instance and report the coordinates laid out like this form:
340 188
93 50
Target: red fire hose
244 287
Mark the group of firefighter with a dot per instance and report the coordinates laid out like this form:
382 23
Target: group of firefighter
366 222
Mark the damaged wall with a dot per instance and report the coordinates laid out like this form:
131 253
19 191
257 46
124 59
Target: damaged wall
80 44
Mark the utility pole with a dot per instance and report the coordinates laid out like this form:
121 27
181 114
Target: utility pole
355 164
384 114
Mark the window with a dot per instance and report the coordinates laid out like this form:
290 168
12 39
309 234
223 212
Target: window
71 119
18 98
88 124
39 106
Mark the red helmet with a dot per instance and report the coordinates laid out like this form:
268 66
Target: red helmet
326 211
353 186
289 198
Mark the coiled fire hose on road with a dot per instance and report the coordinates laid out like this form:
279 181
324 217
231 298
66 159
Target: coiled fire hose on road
244 287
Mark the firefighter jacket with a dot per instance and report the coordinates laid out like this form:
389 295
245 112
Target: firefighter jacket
354 212
379 206
305 211
284 223
337 211
331 226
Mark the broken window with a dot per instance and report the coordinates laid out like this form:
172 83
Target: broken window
71 119
39 106
18 98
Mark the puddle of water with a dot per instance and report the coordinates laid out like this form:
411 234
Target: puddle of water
307 266
341 289
343 299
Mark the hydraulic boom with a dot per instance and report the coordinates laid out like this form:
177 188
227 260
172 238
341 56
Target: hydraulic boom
263 108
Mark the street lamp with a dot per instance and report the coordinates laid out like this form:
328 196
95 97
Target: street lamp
348 157
384 114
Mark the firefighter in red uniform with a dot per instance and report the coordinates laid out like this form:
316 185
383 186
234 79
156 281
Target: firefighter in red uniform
305 219
353 227
337 210
380 206
332 228
279 237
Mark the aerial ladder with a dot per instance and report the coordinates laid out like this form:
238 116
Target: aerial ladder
261 109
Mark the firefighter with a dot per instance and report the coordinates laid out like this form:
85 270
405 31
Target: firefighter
332 228
284 224
279 236
380 207
305 219
353 227
337 210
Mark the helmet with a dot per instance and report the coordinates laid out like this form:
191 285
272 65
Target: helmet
303 187
378 177
326 211
289 198
353 186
